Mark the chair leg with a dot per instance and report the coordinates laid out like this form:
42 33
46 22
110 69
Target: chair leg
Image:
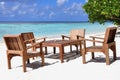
80 49
114 52
107 57
9 61
76 49
34 49
24 64
28 61
83 58
42 56
93 56
107 60
33 58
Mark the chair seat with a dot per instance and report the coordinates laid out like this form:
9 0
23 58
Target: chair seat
37 46
94 48
33 53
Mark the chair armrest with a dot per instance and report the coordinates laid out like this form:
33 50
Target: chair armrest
33 45
80 37
96 37
63 37
93 40
44 38
31 40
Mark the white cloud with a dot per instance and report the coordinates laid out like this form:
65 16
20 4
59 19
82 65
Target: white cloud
74 9
15 7
34 5
42 14
47 7
61 2
77 6
22 12
51 14
12 15
31 10
86 0
2 5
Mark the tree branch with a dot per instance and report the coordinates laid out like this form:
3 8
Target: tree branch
115 18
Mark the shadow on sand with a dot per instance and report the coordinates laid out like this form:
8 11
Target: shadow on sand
37 64
102 60
67 56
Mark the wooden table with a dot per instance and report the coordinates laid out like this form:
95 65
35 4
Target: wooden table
60 44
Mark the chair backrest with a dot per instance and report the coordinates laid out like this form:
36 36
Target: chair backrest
14 42
75 32
27 36
110 34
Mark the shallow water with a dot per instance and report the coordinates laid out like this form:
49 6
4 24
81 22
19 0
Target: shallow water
50 29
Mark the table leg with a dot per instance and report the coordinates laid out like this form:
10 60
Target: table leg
54 50
80 48
45 50
61 49
70 48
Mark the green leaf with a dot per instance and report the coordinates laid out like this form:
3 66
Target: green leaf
103 10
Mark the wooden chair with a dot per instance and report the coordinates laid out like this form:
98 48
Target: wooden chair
75 34
16 47
29 38
107 43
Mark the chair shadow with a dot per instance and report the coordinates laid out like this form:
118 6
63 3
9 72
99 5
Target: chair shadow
37 64
101 59
67 56
118 58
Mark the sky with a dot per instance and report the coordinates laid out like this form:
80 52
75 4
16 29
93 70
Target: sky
42 10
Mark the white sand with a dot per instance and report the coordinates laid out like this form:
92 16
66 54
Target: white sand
55 70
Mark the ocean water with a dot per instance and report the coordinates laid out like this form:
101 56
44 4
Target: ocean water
50 29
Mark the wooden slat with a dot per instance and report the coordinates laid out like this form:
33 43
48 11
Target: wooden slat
17 47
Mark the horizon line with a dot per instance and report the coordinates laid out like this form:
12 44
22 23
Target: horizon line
41 21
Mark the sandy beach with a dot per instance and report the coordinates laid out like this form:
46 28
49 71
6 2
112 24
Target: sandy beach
52 19
71 69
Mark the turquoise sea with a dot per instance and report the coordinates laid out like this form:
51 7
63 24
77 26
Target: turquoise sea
50 29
